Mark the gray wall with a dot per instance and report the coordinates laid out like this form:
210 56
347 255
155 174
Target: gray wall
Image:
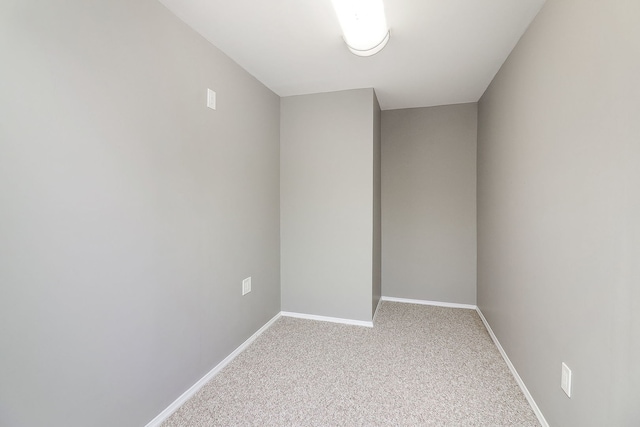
377 203
559 210
326 190
129 212
429 203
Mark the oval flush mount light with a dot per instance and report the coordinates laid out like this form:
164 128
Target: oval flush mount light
364 25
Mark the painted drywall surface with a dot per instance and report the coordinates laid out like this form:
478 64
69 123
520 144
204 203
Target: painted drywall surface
377 203
558 209
326 190
429 203
129 212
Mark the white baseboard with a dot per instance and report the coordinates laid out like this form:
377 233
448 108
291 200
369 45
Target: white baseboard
435 303
512 368
162 416
328 319
198 385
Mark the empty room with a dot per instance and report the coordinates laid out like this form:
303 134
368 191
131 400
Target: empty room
319 213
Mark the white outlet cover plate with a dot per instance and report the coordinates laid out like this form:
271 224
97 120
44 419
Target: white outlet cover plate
565 382
246 286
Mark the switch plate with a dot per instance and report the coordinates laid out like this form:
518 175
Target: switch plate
246 286
211 99
565 382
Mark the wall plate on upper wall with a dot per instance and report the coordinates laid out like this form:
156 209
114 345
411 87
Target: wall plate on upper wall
211 99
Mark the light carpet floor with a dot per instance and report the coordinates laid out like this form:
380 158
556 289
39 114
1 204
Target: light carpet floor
418 366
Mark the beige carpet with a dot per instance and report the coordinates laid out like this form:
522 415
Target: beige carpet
419 366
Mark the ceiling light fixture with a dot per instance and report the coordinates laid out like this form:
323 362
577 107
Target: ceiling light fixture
364 25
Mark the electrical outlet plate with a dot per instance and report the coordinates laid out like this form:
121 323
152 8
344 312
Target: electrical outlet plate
246 286
565 382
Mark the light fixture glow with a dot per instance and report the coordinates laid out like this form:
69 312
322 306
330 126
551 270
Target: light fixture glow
364 25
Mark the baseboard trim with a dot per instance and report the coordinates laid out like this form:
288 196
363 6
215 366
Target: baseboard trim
515 374
164 415
328 319
435 303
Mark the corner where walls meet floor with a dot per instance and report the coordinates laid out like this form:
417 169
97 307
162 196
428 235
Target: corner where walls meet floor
173 407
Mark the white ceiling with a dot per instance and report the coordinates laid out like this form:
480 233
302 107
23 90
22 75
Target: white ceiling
441 51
